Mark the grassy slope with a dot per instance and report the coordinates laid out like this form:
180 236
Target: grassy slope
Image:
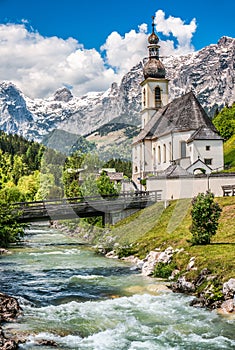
155 227
229 153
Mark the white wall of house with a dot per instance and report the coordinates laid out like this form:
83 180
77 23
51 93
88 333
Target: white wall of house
188 187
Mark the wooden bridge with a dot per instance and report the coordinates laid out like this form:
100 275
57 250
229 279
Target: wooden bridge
109 207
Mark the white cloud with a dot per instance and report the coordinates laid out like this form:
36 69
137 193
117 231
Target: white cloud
123 53
175 26
39 65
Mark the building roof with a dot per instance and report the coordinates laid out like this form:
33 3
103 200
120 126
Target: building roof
115 176
173 171
182 114
154 68
204 133
198 164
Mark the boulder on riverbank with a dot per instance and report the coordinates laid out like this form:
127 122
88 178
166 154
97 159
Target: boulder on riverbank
7 344
155 257
9 310
4 251
229 289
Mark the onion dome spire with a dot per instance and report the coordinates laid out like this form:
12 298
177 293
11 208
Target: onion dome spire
153 38
154 67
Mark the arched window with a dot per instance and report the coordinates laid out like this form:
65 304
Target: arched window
170 151
144 97
158 101
182 149
164 153
154 158
159 154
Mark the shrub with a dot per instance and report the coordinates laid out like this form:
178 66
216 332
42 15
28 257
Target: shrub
163 270
205 216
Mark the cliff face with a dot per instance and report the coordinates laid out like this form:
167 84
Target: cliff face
208 72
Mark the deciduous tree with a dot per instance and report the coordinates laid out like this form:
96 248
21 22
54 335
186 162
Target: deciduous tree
205 218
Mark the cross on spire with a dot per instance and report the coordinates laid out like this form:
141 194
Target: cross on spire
153 23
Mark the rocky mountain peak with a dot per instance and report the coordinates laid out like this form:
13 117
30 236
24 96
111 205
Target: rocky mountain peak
225 41
14 114
63 94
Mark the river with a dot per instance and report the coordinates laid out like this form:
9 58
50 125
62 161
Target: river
84 301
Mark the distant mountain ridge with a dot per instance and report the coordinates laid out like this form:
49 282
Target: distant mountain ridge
208 72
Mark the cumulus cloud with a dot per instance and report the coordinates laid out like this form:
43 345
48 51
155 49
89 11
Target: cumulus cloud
39 65
123 52
176 27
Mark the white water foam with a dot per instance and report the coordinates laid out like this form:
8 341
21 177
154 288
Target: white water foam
58 252
138 322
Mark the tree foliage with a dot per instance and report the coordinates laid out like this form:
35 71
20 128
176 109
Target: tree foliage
11 231
123 166
224 122
205 216
105 186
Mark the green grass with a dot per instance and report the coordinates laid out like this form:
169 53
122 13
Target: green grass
229 153
157 227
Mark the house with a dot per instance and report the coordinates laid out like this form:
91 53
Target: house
114 176
177 137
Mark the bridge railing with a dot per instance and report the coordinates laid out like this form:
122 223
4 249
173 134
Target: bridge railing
151 195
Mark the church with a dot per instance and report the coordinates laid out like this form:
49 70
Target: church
176 138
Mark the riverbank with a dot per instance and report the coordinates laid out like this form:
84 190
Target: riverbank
207 272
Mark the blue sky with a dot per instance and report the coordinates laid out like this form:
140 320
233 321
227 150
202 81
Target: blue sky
57 42
90 22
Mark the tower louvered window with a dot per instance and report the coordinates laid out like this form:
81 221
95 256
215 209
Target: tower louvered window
158 101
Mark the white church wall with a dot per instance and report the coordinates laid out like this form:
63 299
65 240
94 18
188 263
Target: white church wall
147 114
142 160
147 157
168 148
208 151
178 138
188 187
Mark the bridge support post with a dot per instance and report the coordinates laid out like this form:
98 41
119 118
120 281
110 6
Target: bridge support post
107 219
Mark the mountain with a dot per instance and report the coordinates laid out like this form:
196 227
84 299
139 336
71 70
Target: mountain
209 72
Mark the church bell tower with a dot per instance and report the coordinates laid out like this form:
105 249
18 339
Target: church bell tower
155 85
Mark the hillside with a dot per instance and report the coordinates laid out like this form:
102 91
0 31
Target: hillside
113 140
229 154
224 121
156 228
